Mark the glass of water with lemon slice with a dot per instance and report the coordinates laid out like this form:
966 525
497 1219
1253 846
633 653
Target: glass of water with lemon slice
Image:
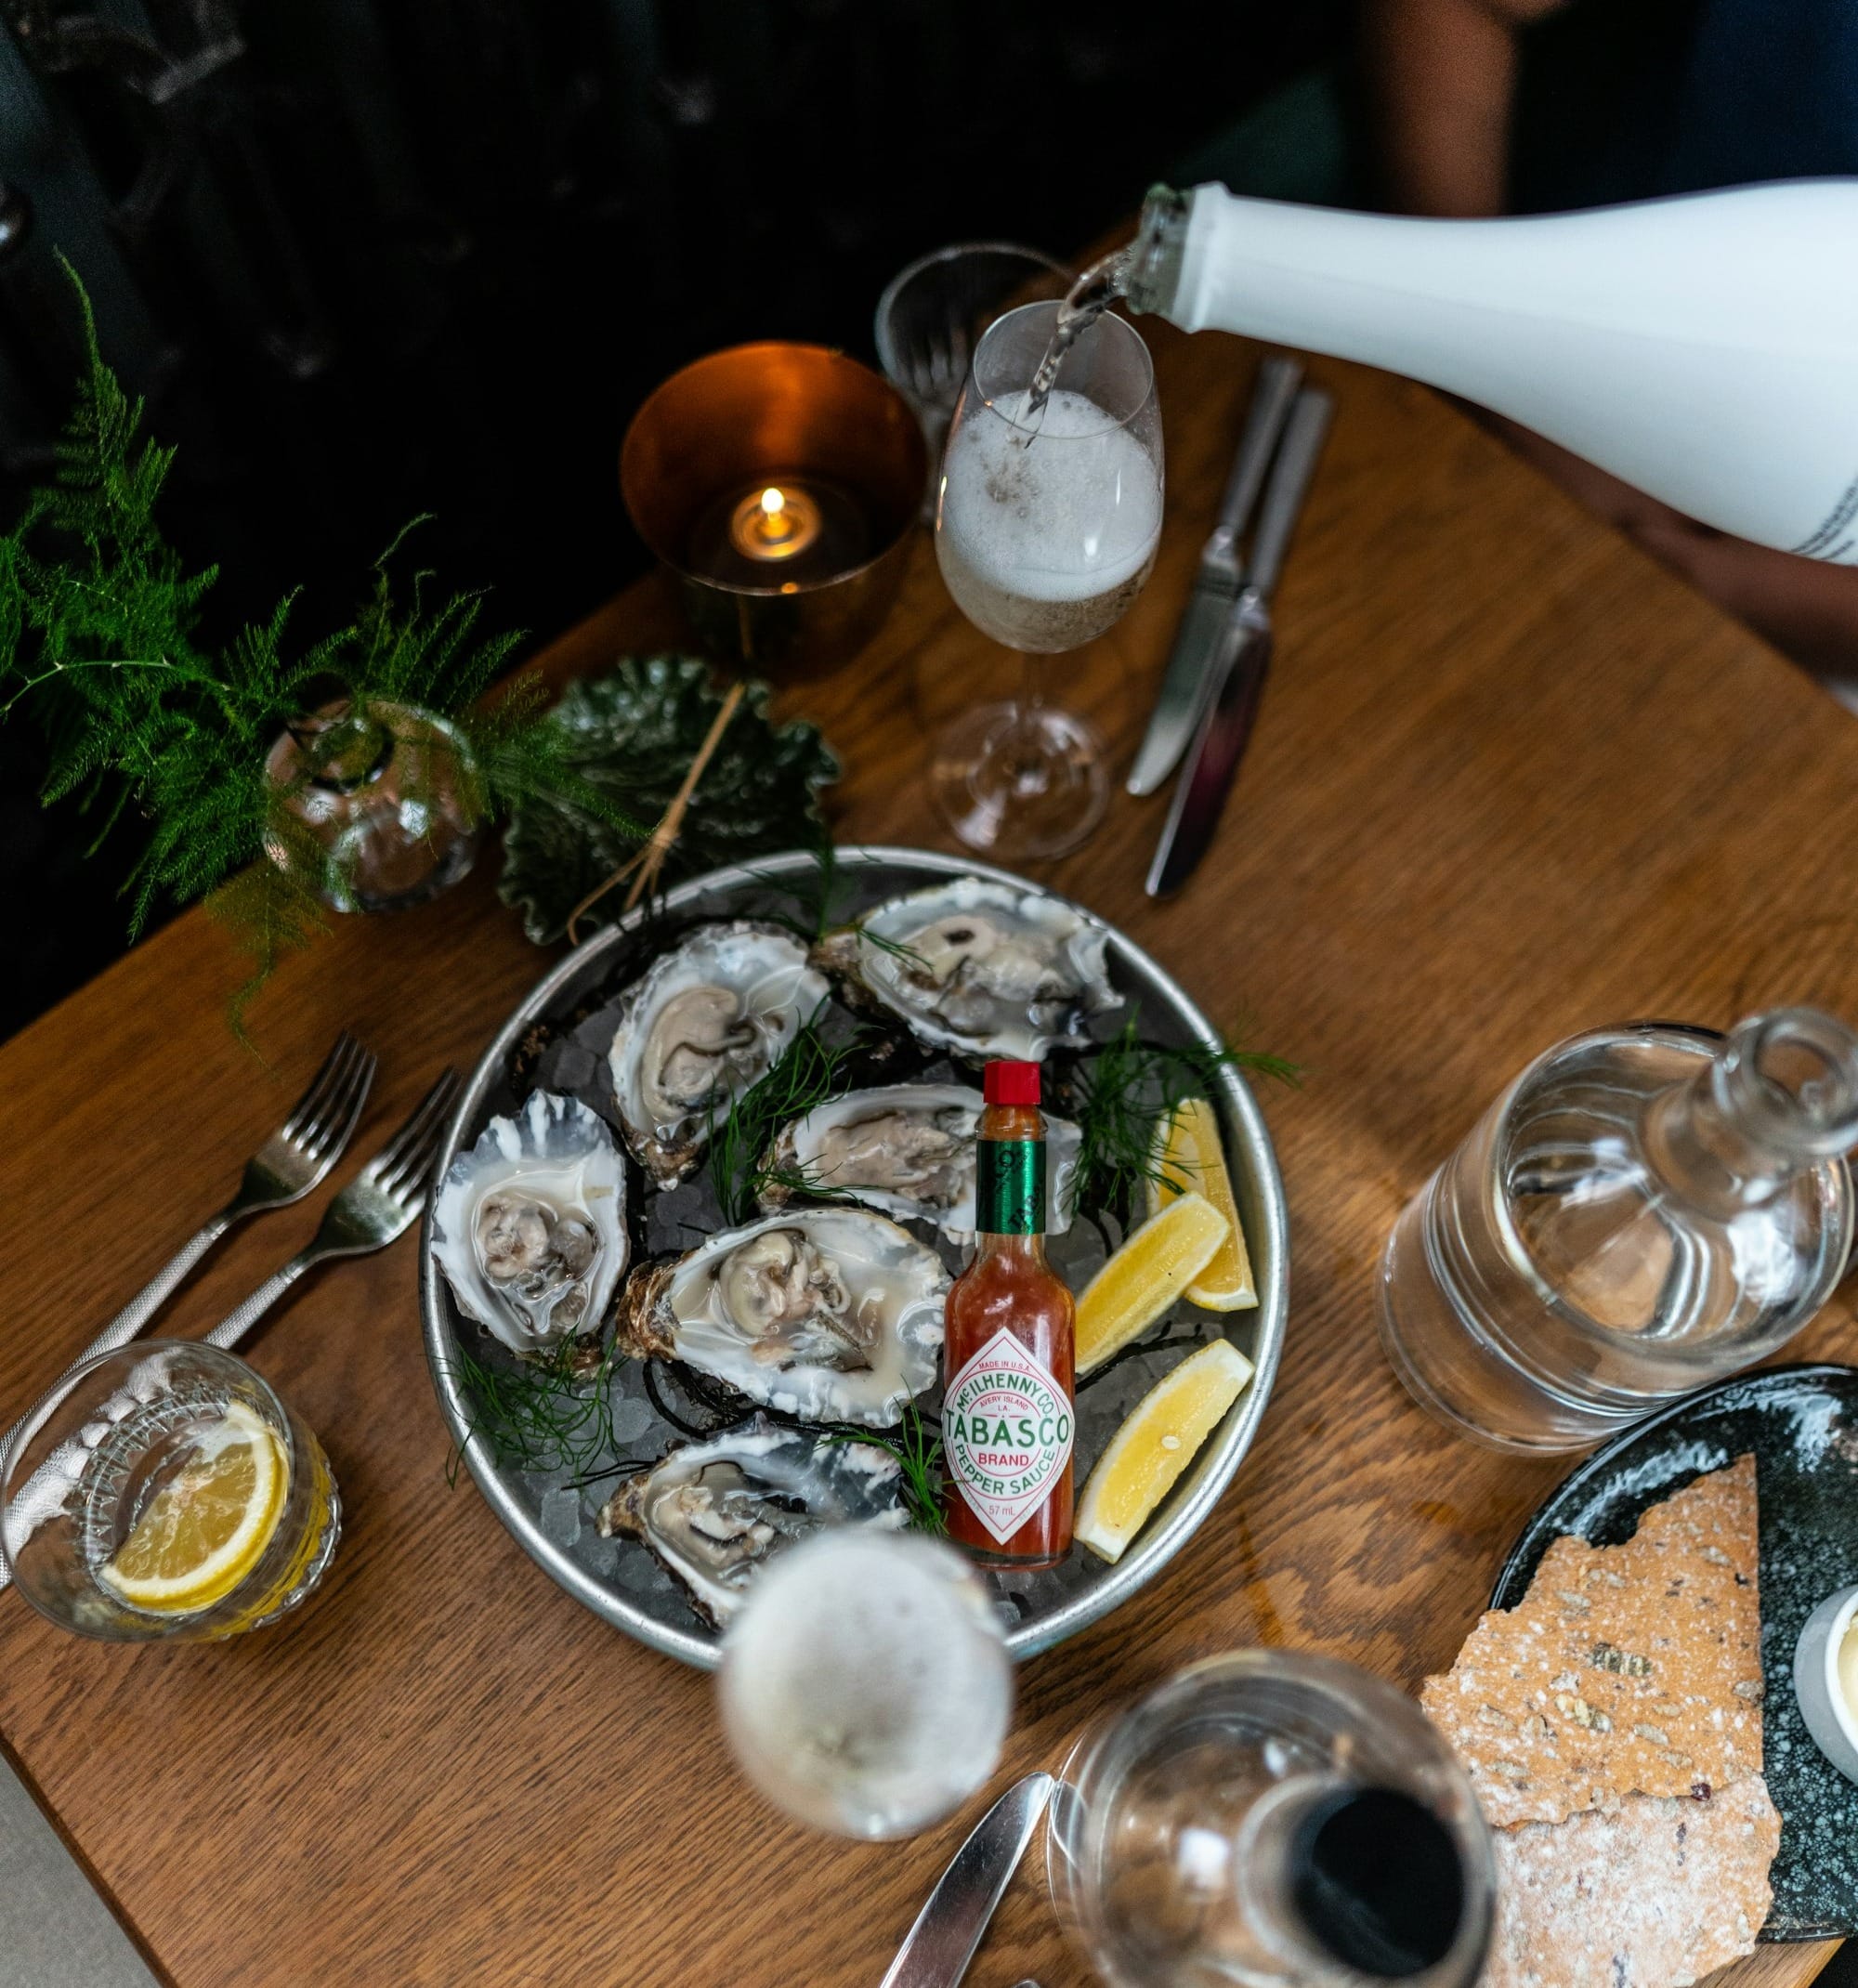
164 1491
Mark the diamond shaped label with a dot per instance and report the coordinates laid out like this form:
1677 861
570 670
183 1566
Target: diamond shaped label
1006 1430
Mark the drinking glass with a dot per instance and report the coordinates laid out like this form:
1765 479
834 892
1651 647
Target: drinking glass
932 315
865 1685
1045 532
1271 1817
95 1455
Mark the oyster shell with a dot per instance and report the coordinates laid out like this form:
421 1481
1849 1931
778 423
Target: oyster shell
983 969
714 1513
528 1226
830 1315
703 1023
908 1149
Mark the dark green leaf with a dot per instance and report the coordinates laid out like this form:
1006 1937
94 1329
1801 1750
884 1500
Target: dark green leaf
632 734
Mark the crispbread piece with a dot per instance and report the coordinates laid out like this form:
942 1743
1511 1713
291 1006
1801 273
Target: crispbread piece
1651 1894
1626 1669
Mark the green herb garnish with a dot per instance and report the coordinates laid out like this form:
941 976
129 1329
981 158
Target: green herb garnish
820 902
809 1072
551 1412
1126 1088
917 1448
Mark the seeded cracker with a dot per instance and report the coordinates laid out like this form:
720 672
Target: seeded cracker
1652 1894
1626 1669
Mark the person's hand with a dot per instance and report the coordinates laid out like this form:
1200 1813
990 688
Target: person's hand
1805 607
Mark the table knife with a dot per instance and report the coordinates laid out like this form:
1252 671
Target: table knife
937 1949
1194 663
1225 725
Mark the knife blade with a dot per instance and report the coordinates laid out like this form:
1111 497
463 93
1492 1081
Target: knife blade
1232 706
936 1950
1199 655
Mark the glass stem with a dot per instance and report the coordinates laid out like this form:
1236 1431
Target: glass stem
1031 681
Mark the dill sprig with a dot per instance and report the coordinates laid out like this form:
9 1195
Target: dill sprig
1126 1088
819 901
549 1412
810 1072
917 1448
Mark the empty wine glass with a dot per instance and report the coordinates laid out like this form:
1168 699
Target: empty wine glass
1046 529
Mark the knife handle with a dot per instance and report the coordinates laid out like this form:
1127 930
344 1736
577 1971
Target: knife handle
1211 769
1272 393
1290 481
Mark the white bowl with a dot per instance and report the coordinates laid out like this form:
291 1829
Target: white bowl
1829 1717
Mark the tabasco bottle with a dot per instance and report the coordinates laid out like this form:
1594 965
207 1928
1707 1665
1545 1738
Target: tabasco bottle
1007 1412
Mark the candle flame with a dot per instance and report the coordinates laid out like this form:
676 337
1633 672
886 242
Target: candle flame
772 502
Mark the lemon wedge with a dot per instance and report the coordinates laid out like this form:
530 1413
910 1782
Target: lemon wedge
1191 1158
1157 1442
207 1527
1153 1266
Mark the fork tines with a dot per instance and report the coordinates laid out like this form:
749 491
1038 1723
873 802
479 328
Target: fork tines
404 1166
326 1112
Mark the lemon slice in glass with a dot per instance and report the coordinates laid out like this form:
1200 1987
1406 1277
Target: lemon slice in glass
1157 1262
207 1527
1190 1157
1156 1442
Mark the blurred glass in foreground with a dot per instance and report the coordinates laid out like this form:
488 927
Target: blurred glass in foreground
864 1686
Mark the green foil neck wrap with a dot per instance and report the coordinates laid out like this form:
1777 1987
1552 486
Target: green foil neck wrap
1010 1187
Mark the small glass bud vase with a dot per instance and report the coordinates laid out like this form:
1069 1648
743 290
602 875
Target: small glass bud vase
379 804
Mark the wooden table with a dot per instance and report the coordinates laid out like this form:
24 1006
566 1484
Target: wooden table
1510 780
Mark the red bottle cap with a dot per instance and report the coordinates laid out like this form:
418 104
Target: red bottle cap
1010 1084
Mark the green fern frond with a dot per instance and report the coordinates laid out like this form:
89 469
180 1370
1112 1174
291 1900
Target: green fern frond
99 639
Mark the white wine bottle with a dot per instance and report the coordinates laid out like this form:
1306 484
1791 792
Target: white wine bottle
1703 348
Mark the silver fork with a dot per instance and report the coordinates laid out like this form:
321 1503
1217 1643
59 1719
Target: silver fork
291 1162
379 1204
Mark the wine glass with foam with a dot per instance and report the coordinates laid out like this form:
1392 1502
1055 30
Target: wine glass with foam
1046 529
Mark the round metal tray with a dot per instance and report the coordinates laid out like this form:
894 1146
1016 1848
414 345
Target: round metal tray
616 1579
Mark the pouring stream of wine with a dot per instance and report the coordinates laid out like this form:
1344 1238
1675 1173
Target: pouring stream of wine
1084 303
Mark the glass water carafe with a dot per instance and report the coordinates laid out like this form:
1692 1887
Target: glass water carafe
1646 1209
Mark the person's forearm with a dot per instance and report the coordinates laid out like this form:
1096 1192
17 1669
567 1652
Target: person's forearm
1442 73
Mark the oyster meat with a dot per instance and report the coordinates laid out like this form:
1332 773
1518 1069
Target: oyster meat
908 1149
714 1513
703 1022
983 969
528 1226
826 1313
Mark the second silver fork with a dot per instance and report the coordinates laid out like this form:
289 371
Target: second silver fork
379 1204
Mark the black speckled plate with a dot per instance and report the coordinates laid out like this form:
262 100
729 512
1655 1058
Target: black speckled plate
1801 1423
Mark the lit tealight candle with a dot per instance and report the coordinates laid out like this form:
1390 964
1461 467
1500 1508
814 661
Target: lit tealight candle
774 523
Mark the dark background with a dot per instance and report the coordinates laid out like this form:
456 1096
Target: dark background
372 257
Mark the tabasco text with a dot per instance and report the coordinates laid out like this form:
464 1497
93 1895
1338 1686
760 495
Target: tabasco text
1007 1416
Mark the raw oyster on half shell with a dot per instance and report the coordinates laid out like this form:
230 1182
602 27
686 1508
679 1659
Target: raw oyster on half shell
908 1149
714 1513
983 969
827 1314
528 1226
706 1020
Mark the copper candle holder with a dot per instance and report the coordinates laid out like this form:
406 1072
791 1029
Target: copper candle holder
776 484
